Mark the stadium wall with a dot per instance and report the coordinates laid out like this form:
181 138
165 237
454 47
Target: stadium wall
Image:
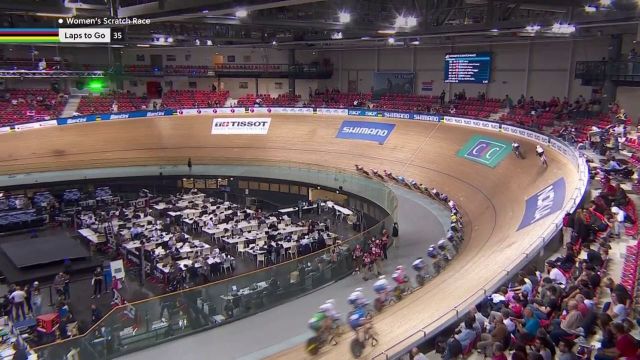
539 69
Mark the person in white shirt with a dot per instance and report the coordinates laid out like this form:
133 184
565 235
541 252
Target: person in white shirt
555 274
210 224
619 216
17 297
135 231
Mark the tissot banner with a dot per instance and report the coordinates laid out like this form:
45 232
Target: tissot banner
240 126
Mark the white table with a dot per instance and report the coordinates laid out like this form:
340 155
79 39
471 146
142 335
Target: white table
339 208
91 236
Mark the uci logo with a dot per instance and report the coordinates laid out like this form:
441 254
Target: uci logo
485 151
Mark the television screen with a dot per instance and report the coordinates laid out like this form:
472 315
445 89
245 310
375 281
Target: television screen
469 68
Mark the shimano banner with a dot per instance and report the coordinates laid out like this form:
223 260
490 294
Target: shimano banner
544 203
365 130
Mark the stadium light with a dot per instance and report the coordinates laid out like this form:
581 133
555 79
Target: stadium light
344 17
590 9
169 39
405 21
242 13
391 40
563 28
532 28
95 85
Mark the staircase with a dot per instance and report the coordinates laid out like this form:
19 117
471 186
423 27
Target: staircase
496 116
72 105
157 101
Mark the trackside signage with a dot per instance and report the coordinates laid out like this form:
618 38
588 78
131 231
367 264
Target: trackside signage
485 150
543 203
240 126
365 130
471 122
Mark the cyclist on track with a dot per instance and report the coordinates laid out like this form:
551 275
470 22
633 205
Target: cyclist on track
540 154
360 324
515 147
321 323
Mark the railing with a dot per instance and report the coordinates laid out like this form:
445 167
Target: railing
196 309
602 70
624 71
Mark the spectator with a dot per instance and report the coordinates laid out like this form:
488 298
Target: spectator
555 274
569 326
96 281
565 347
499 335
36 299
528 326
625 345
415 352
17 298
498 352
96 315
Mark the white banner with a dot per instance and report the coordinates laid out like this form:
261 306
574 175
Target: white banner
117 269
260 110
332 111
240 126
235 110
543 139
472 122
5 129
207 111
564 150
41 124
290 110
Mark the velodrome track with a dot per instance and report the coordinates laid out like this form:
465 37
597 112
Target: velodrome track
492 199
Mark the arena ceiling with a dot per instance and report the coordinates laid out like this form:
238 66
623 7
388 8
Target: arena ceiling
338 23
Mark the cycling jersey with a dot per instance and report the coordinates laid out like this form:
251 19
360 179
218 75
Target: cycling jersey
315 323
357 318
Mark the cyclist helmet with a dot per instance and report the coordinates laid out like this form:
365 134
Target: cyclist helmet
325 308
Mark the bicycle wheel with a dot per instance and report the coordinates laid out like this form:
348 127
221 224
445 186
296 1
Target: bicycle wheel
357 347
378 304
420 280
313 345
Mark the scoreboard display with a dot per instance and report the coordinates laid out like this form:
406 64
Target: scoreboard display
469 68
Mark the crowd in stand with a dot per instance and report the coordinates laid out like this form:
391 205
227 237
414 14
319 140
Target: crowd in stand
552 312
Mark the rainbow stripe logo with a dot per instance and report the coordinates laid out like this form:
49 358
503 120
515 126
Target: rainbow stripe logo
33 35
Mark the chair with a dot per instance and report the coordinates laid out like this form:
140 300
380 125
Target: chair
293 252
241 248
226 265
261 258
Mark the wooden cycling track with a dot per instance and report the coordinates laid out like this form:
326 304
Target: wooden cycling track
491 199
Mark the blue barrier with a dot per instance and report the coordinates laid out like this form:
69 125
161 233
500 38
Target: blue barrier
116 116
396 114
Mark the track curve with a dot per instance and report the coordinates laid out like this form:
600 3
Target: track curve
492 199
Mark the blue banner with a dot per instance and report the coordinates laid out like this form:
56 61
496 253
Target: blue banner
365 130
77 120
395 115
364 112
117 116
544 203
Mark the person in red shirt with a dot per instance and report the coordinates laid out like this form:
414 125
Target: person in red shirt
626 345
498 352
